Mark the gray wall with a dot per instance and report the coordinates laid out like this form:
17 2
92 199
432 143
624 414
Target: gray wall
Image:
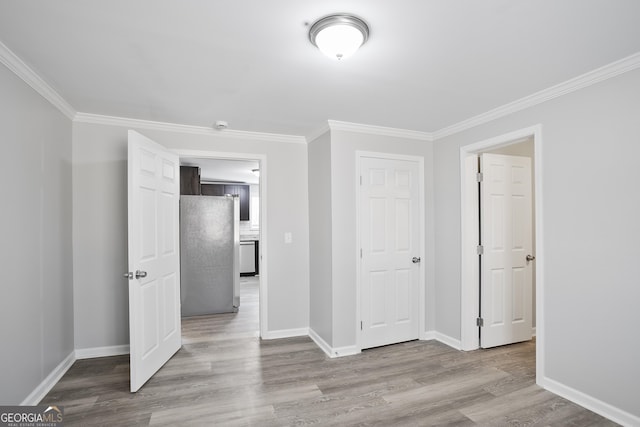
343 199
36 308
320 302
100 228
591 147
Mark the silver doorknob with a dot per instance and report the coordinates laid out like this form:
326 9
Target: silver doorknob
530 258
415 259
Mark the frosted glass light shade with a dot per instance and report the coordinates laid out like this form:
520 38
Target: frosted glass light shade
339 41
339 36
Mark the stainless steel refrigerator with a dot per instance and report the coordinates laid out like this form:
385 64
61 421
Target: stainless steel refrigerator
209 254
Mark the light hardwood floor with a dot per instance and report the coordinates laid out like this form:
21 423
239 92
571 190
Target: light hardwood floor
225 375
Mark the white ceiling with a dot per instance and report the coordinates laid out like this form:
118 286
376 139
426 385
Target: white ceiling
427 64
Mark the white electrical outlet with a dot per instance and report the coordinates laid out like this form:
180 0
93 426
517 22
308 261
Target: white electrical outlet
288 237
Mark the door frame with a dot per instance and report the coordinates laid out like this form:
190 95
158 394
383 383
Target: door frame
469 223
262 160
421 221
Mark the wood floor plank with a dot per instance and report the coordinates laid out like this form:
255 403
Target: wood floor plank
225 375
451 387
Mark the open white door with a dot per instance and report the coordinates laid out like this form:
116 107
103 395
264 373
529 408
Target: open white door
506 236
154 258
390 251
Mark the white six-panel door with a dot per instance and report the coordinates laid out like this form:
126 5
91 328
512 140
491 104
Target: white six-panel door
506 236
154 292
390 238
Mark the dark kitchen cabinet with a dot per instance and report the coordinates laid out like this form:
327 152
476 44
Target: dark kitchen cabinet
212 189
190 180
242 191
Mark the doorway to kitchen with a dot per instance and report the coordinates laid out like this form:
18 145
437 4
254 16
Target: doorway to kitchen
243 176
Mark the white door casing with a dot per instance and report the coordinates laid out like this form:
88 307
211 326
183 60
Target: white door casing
389 206
153 243
506 236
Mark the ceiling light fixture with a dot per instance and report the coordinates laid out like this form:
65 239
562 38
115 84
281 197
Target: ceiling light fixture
339 36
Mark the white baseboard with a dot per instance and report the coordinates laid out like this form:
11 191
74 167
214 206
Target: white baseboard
444 339
90 353
333 352
286 333
47 384
324 346
352 349
428 335
348 350
591 403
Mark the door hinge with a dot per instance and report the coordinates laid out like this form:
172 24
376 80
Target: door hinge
361 325
480 322
480 250
360 179
360 252
479 177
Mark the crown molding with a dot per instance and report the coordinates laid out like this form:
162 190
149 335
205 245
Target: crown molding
318 133
23 71
380 130
606 72
195 130
30 77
